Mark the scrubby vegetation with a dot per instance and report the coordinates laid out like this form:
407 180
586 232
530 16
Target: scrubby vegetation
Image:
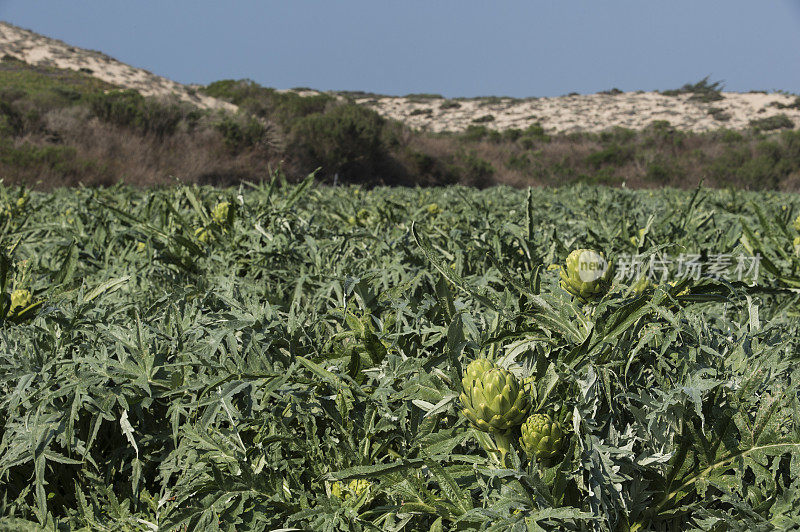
702 91
62 127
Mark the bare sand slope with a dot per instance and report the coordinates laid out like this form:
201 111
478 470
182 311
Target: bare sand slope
593 112
37 49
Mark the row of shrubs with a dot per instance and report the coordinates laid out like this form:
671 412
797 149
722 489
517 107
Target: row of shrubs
61 127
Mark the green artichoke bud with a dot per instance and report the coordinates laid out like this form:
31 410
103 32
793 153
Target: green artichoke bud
586 275
357 487
220 213
20 299
475 371
203 234
796 224
541 437
337 489
353 490
493 399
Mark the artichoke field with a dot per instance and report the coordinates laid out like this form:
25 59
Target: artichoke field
305 358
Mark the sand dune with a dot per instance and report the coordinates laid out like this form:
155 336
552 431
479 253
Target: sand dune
37 49
593 112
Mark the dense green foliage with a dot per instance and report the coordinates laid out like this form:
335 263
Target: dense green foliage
294 358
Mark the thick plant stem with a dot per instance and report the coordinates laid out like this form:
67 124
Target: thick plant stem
502 441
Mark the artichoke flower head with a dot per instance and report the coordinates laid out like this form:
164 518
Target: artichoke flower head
494 400
220 212
541 437
586 274
20 299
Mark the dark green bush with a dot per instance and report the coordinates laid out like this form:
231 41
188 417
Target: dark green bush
532 135
661 134
284 108
771 123
794 105
423 96
241 132
450 104
730 136
617 135
477 172
614 155
719 114
702 91
236 91
346 139
475 133
422 162
11 123
519 162
661 171
130 109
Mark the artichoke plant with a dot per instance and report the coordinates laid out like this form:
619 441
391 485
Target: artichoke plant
642 285
20 299
220 213
203 234
586 275
495 401
541 436
493 398
353 490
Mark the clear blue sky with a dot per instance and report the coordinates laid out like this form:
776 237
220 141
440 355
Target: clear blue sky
451 47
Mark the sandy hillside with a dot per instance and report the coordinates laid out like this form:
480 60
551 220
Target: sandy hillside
593 112
37 49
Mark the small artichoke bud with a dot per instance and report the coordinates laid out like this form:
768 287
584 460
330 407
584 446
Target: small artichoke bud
542 437
796 224
203 234
493 398
20 299
220 213
586 275
357 487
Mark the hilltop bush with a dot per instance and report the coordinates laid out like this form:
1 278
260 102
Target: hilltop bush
284 108
703 91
